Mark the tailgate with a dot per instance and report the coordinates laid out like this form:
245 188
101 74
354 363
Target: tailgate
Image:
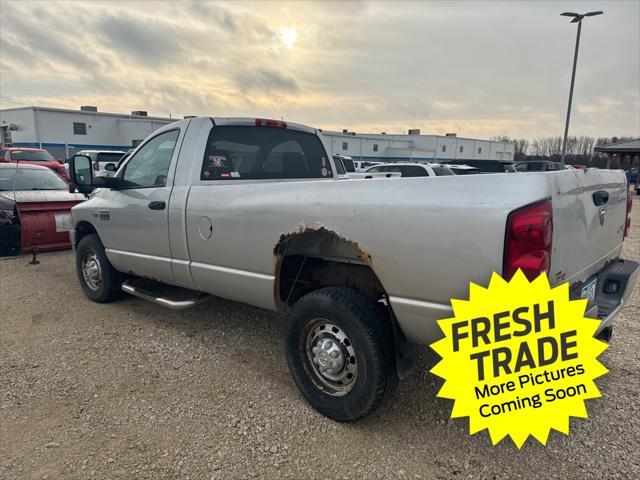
589 213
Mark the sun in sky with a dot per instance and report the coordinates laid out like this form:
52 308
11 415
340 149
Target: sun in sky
289 36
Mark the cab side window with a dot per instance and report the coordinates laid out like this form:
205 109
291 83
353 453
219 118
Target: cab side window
150 165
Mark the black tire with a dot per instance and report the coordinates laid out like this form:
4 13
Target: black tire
110 280
369 336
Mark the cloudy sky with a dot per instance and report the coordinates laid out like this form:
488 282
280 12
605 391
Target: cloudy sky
476 68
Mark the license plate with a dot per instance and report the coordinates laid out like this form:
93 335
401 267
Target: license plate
63 222
589 290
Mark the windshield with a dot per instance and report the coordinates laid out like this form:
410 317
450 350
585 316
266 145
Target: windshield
31 156
30 179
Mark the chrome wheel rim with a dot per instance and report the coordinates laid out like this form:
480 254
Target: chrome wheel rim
91 271
330 357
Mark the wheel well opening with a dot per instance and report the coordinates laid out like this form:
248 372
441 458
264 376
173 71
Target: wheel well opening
83 229
311 259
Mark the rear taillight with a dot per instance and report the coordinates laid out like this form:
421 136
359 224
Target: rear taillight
627 222
263 122
528 241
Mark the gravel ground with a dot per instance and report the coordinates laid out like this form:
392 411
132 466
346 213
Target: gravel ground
131 390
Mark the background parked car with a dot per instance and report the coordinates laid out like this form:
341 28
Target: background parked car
412 169
346 161
105 162
539 166
34 156
35 209
463 169
362 165
485 166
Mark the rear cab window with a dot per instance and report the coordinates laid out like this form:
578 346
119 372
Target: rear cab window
247 152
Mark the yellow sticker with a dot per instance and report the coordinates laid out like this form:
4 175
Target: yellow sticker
519 358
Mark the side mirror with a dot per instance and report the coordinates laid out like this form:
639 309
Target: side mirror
110 167
81 173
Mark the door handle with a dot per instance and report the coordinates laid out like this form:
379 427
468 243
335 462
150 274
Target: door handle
158 205
600 198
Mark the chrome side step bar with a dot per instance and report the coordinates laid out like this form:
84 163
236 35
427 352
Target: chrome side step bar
175 298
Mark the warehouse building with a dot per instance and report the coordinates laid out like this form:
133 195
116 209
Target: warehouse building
416 147
64 132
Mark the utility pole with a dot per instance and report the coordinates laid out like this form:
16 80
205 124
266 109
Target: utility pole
577 18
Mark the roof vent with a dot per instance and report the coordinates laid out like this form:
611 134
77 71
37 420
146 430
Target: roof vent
345 130
139 113
451 134
414 131
189 116
88 108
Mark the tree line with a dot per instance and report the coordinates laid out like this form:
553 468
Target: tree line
580 150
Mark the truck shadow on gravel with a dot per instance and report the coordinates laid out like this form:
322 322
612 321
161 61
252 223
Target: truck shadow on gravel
252 340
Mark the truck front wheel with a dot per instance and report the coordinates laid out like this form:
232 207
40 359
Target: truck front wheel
98 279
340 352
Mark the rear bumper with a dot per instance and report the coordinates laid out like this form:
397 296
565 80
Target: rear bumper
418 319
614 286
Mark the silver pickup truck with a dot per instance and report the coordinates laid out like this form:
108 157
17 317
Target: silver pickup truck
252 210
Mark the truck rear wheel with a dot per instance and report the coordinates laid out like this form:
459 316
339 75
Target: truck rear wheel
340 352
98 279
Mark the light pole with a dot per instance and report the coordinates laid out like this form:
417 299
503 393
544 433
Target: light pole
577 18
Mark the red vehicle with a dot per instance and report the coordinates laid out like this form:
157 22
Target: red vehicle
33 156
35 209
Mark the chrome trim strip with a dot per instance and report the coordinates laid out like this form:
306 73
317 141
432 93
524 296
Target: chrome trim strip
244 273
139 255
422 304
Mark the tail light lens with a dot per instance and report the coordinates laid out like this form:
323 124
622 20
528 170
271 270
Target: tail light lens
263 122
528 241
627 222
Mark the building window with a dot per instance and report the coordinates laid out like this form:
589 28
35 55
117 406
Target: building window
345 145
479 149
375 147
461 149
79 128
444 148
